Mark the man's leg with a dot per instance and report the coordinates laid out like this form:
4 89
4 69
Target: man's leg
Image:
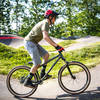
34 53
45 59
34 69
28 82
45 55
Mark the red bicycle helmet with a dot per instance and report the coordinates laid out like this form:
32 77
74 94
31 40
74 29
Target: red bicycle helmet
50 13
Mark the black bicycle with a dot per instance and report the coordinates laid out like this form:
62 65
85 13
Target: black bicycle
73 77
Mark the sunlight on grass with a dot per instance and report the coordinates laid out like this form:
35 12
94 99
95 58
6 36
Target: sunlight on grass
10 57
97 43
64 44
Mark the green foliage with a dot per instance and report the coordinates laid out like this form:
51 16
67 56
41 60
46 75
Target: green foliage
5 24
10 57
58 30
36 14
64 44
81 17
87 19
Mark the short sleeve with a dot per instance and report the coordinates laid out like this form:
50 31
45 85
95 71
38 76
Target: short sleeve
45 27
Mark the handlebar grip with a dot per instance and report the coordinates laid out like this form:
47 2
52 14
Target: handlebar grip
61 51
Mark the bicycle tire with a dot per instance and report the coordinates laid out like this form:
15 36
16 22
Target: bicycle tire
10 79
82 74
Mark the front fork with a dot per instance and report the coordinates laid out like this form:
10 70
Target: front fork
67 63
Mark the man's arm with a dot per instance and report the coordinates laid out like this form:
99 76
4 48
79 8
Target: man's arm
48 39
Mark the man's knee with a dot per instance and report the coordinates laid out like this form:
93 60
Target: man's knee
34 68
37 66
46 55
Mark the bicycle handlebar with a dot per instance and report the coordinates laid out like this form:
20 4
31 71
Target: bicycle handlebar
61 51
61 55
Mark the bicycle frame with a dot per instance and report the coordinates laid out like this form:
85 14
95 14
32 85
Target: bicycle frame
79 88
59 56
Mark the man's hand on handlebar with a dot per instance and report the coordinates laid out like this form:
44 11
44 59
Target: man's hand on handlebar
59 48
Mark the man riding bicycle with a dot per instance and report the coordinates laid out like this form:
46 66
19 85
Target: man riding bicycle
39 32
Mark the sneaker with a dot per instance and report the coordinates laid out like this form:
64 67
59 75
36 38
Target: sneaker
28 83
43 73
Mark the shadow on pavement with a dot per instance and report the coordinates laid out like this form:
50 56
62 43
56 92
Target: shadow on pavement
88 95
34 98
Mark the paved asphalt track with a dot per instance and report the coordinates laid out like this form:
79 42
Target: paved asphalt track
50 90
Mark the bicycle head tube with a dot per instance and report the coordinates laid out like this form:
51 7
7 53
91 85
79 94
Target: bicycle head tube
61 55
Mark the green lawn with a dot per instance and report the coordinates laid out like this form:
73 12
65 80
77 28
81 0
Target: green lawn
64 44
10 57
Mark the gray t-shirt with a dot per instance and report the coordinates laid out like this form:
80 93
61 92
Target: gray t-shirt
35 35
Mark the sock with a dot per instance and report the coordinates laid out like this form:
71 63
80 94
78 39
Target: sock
44 66
43 71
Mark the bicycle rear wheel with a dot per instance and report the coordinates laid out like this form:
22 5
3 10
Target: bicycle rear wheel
15 82
81 79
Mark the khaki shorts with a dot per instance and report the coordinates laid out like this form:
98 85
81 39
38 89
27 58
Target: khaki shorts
35 51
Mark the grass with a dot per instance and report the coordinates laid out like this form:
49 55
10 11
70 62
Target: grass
10 57
64 44
88 56
96 43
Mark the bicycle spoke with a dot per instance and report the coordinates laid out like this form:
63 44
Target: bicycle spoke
15 82
77 85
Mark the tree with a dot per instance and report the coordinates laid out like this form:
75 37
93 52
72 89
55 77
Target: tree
90 9
18 13
67 8
36 14
80 16
5 8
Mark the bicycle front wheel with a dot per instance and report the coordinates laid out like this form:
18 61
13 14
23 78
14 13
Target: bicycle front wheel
80 80
15 82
